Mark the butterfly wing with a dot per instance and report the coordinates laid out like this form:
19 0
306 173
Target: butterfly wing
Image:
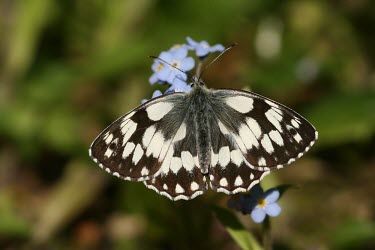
135 146
253 135
181 176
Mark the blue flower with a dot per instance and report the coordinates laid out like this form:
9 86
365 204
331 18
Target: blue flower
203 48
176 57
179 85
258 204
154 95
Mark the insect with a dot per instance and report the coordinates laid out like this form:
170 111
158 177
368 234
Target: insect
181 144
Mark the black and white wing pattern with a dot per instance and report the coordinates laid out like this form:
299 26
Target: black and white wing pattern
253 135
179 143
135 146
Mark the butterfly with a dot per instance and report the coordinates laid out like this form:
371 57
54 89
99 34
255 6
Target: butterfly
180 144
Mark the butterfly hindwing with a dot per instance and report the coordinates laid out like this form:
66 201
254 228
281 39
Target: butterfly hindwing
135 145
181 175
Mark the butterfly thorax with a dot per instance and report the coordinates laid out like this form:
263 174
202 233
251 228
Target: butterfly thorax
200 106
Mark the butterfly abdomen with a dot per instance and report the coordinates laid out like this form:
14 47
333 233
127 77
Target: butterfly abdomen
201 120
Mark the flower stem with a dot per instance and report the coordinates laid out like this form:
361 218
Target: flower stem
199 67
267 239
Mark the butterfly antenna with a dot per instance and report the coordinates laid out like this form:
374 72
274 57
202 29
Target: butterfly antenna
208 65
186 73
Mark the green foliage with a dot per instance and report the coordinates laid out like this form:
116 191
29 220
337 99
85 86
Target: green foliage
238 232
69 68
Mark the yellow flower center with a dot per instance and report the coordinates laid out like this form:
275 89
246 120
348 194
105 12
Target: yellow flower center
262 203
159 67
176 46
176 64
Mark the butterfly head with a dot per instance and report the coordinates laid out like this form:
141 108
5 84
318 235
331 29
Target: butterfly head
197 82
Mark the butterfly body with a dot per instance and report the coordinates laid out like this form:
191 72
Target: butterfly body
181 143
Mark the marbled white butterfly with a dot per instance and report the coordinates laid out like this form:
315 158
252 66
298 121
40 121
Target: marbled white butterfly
181 143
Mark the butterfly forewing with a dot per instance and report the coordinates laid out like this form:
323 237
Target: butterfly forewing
257 135
135 145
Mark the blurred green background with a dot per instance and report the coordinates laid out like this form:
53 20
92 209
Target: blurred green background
69 68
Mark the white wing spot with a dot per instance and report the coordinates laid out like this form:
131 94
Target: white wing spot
109 139
276 114
155 145
144 171
187 160
158 110
211 177
194 186
167 161
254 126
128 149
238 181
240 103
222 128
129 132
176 164
291 160
164 149
223 182
251 176
147 136
240 143
294 123
262 161
165 187
181 132
179 189
267 145
108 153
297 137
116 174
128 116
248 137
276 137
224 156
271 103
214 159
272 118
236 157
138 153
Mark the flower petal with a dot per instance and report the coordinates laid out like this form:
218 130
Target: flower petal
156 94
273 209
153 78
217 47
163 74
166 56
272 195
200 51
258 215
187 64
191 41
180 53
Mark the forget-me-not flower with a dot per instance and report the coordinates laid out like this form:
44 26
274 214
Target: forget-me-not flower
202 48
258 204
179 85
154 95
175 57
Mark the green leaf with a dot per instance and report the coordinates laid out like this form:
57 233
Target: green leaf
238 232
284 187
344 117
353 235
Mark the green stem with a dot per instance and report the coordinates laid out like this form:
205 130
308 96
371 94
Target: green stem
199 67
267 238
